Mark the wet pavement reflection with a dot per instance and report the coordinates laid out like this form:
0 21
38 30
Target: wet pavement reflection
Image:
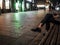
14 25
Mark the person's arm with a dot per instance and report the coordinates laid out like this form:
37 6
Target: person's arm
56 16
43 21
40 25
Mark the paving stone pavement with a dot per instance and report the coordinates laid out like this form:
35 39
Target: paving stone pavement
15 28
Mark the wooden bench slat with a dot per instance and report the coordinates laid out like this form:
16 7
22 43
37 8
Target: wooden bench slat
47 35
54 39
50 37
58 39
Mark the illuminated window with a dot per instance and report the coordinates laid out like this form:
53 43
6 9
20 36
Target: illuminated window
27 5
23 5
1 3
7 4
29 0
18 6
40 5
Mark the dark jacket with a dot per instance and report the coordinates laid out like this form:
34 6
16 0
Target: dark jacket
47 18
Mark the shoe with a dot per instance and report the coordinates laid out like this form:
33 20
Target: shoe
47 30
43 34
36 30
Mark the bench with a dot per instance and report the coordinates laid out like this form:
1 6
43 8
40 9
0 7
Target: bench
36 38
51 37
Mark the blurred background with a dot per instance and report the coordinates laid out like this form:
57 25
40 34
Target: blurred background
26 5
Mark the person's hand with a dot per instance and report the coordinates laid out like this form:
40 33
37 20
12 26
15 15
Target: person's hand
40 25
56 16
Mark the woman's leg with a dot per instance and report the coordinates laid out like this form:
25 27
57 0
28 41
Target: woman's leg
47 26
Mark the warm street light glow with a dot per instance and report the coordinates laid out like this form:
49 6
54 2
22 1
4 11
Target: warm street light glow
40 6
46 6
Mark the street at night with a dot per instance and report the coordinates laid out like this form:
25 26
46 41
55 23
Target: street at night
16 26
29 22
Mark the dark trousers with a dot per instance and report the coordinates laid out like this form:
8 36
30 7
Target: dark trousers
53 21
